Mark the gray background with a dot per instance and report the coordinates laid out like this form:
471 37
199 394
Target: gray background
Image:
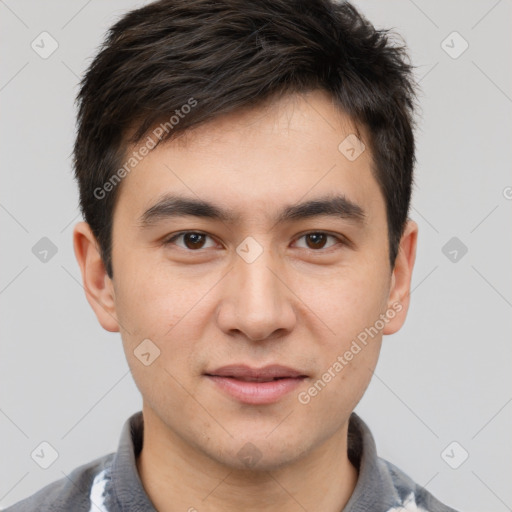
444 377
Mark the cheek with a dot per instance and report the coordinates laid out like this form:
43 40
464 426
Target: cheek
151 301
346 301
350 304
172 311
162 308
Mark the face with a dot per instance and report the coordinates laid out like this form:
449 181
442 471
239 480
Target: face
252 256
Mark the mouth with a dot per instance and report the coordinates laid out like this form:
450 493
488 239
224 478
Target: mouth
256 386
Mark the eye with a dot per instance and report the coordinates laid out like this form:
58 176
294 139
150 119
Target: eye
195 240
318 240
190 240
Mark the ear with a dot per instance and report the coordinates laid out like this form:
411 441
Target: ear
399 293
98 286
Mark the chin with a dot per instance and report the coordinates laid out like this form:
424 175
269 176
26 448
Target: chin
257 454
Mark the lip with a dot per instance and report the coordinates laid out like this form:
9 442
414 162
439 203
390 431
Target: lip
256 386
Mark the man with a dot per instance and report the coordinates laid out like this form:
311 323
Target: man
245 173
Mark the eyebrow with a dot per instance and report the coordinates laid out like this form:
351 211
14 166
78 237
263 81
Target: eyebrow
170 206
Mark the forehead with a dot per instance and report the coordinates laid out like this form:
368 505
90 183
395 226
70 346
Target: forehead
275 154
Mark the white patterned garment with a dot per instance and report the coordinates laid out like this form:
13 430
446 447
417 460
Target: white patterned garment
98 494
112 484
408 505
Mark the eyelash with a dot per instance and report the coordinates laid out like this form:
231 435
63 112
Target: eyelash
340 240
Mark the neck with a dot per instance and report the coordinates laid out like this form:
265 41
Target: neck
177 476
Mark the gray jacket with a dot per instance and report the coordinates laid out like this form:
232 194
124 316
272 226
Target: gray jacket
112 484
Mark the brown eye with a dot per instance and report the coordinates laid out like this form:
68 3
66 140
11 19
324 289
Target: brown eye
191 240
194 240
318 240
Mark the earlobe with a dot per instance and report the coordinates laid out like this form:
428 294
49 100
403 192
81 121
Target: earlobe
98 286
400 289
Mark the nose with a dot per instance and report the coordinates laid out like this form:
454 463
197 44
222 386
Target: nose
256 301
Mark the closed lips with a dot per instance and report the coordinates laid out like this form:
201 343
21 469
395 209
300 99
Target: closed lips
256 386
248 374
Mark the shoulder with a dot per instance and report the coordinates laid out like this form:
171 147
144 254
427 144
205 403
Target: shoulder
412 497
75 491
382 486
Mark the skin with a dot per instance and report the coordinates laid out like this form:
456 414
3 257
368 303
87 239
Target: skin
294 305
